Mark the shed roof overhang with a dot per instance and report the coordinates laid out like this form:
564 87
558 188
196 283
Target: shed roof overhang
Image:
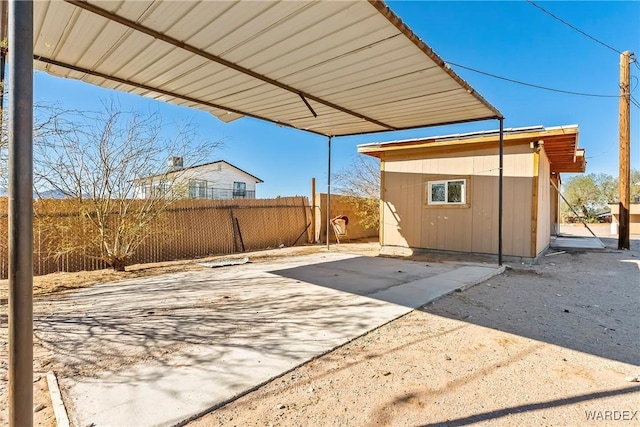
560 145
331 68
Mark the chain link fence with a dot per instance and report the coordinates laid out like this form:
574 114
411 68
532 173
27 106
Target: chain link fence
188 229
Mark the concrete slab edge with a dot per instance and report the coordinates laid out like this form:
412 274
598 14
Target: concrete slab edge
256 387
460 257
59 410
490 274
467 285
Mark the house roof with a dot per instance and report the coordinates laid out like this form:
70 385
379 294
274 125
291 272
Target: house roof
258 180
560 144
327 67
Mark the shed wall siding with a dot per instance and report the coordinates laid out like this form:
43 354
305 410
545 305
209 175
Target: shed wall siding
543 234
409 221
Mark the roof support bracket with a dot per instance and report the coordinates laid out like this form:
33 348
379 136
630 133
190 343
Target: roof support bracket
307 104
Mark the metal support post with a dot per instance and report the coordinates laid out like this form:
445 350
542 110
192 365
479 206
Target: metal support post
500 190
20 213
328 191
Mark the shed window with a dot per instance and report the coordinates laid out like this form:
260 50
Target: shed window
450 192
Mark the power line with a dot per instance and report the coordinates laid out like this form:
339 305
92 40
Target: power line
573 27
533 85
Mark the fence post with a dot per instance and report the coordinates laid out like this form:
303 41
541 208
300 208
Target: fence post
233 229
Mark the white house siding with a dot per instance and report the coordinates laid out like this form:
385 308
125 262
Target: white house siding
220 178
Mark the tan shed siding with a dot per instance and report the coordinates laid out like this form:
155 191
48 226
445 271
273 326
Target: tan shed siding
401 211
409 221
543 235
484 203
518 181
553 210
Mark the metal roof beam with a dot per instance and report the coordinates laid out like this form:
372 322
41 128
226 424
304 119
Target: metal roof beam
161 91
404 29
214 58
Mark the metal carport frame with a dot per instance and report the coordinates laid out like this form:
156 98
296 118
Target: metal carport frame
313 66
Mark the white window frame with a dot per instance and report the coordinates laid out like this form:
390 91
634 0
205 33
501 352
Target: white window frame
236 192
198 189
161 189
146 190
446 193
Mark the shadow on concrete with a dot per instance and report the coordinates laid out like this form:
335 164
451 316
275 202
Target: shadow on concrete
154 318
364 276
232 327
268 312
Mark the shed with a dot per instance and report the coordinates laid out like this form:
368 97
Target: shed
634 216
441 193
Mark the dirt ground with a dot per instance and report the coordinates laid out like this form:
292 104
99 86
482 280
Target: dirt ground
542 345
545 344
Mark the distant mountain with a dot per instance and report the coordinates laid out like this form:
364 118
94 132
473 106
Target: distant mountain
49 194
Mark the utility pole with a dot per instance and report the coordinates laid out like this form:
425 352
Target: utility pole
625 155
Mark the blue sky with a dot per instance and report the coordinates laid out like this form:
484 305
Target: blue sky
510 39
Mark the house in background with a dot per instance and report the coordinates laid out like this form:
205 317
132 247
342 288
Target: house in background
214 180
441 193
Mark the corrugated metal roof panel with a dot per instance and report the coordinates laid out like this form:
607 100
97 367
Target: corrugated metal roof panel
358 66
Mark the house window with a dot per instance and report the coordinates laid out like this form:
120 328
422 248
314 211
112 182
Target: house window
146 191
161 189
239 189
197 189
450 192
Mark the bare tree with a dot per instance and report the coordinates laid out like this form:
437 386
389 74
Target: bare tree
48 120
361 181
95 164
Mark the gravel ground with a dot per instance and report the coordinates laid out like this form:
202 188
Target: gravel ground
542 345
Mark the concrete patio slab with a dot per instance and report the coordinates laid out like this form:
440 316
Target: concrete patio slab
159 350
576 242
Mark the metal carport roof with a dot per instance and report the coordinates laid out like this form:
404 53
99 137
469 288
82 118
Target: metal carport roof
328 67
332 68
